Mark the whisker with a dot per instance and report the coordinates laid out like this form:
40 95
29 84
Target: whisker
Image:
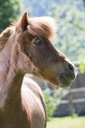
76 69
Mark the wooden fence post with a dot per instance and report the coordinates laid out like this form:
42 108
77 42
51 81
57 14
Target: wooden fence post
71 107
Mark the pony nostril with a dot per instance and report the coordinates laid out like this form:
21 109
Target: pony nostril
71 67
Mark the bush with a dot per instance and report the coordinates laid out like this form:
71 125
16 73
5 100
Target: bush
53 101
82 62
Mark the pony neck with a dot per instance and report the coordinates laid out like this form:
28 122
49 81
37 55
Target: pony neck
10 79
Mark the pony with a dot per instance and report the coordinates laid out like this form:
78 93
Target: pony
25 47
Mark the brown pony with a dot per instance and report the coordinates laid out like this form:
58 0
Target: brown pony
26 48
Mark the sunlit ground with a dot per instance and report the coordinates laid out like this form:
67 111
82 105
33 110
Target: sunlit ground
66 122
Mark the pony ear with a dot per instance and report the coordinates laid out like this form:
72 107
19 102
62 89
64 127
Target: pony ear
23 22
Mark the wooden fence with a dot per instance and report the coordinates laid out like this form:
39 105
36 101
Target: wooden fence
71 100
70 92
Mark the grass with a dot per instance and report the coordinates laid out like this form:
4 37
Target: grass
67 122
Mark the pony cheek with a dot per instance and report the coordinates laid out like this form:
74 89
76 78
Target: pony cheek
26 66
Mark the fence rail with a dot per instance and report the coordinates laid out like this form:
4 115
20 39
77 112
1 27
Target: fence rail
74 100
78 89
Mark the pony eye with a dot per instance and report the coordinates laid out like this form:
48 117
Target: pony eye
37 42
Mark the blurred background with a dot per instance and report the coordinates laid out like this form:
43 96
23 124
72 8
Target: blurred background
70 39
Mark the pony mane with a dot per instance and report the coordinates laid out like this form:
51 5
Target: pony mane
39 26
4 37
42 26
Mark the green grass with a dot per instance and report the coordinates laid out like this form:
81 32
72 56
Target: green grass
67 122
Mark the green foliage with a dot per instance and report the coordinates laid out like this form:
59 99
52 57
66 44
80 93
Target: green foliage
82 61
50 103
82 67
9 10
53 101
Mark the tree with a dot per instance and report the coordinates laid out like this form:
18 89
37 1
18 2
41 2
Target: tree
9 10
71 20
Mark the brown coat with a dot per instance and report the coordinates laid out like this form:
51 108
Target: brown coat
26 48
